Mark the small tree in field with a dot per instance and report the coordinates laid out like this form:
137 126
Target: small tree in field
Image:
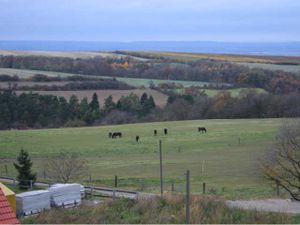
65 167
24 165
282 164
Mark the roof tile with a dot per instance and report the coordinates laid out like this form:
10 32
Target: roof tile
7 216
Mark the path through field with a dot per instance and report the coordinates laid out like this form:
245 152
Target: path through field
268 205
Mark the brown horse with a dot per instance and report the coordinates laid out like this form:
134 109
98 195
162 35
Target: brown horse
116 134
202 129
165 131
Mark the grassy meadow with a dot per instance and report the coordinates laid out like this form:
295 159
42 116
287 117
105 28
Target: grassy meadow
229 168
23 73
268 66
235 92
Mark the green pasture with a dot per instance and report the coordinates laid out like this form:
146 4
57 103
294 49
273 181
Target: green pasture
230 168
268 66
23 73
235 92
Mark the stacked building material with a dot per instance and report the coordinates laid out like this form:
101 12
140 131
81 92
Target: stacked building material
32 202
64 195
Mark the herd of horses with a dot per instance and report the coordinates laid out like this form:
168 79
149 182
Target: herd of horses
114 135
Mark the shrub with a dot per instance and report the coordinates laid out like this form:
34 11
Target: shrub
155 210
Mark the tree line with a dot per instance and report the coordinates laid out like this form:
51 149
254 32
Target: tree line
107 84
278 82
32 110
37 111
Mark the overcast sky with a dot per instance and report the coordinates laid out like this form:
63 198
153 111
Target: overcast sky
151 20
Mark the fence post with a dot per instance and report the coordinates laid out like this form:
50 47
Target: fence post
277 188
187 198
114 194
203 187
6 170
160 169
44 174
31 184
91 191
172 187
14 182
116 181
142 184
90 178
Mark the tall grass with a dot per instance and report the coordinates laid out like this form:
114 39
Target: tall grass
154 211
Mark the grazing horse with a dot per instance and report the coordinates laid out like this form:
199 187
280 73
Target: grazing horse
155 132
137 138
202 129
116 134
166 131
109 134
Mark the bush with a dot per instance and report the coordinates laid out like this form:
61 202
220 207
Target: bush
75 123
158 211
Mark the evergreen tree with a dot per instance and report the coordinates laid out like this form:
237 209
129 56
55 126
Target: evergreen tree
23 167
84 108
94 107
119 105
151 102
147 104
74 107
109 104
144 99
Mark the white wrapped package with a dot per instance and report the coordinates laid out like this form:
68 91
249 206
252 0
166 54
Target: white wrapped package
65 194
32 202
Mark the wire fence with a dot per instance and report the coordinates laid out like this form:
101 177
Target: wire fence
149 185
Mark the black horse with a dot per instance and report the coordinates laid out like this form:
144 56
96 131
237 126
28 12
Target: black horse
165 131
202 129
116 134
137 138
155 132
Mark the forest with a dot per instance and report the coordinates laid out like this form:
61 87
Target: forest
221 72
30 110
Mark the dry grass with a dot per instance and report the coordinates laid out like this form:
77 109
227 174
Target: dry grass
69 54
170 210
159 98
228 57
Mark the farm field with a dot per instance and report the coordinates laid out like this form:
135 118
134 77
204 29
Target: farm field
6 84
159 98
287 68
131 81
235 92
229 168
226 57
71 54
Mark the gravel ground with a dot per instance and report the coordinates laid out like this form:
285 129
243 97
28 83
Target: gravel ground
268 205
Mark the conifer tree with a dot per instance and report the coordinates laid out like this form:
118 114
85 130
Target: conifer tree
24 165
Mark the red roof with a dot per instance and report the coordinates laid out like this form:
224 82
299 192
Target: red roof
7 216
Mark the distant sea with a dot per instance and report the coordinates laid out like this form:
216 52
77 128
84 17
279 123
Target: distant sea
250 48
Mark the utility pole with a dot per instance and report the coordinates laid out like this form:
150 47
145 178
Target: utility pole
187 198
160 169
